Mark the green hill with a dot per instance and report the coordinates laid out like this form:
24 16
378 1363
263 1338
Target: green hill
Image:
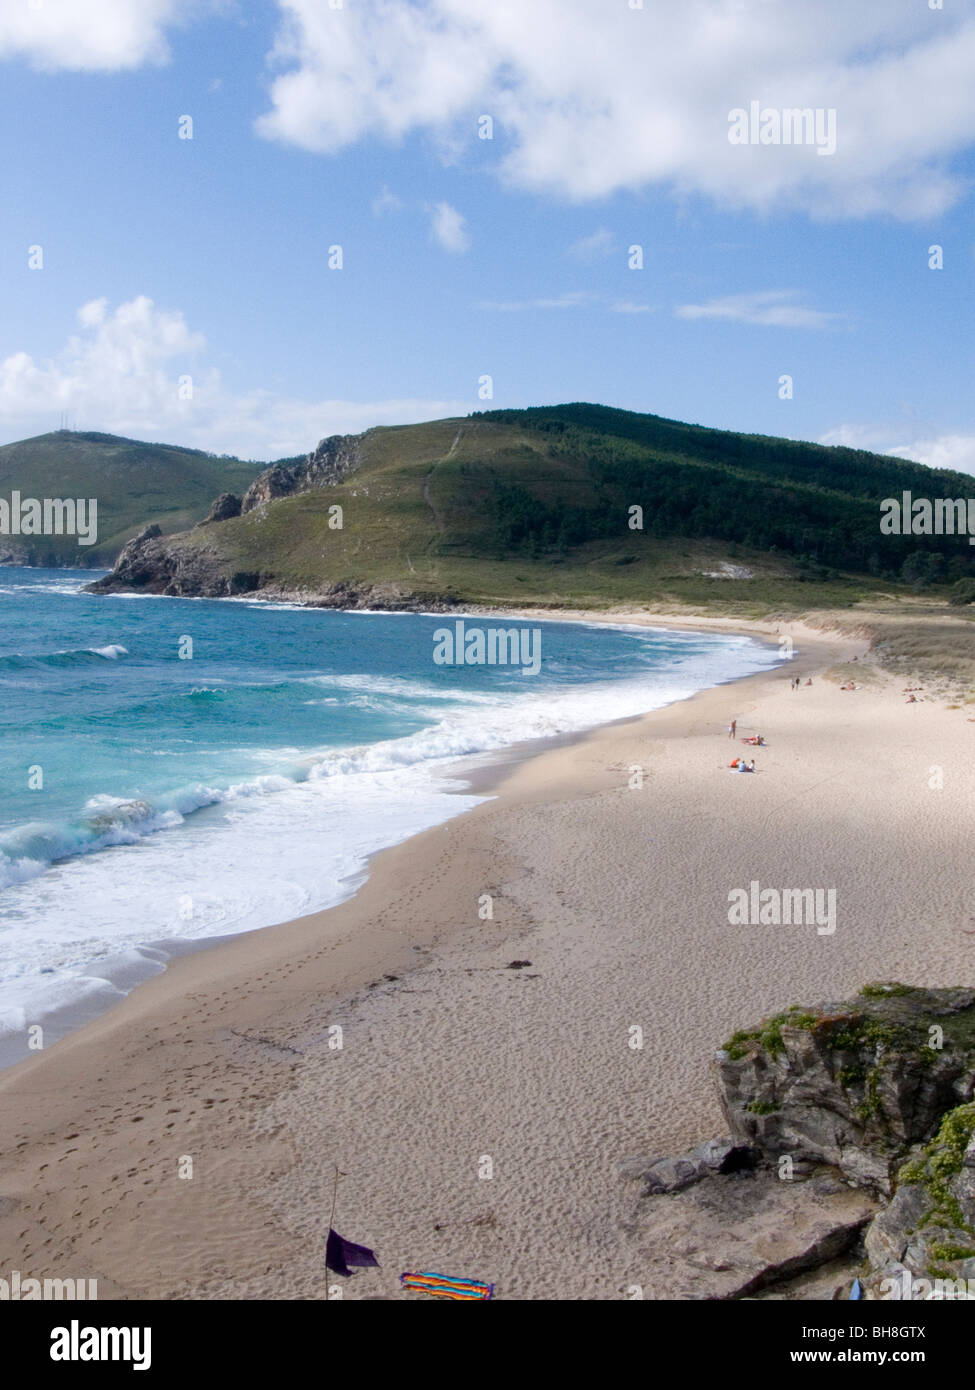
535 506
133 483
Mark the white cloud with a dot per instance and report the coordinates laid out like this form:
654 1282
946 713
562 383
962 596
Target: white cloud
877 439
120 366
93 313
593 248
769 308
450 229
629 306
953 451
121 375
105 35
589 97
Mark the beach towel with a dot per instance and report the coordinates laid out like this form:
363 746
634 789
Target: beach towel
446 1286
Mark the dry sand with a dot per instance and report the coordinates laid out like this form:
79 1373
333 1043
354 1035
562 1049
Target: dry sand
454 1066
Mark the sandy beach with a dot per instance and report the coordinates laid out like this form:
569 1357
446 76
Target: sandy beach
477 1111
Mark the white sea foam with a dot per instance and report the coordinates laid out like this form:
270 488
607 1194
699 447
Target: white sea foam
212 860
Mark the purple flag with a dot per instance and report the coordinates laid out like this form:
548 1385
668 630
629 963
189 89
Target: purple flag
341 1253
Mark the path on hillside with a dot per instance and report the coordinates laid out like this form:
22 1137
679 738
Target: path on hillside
426 482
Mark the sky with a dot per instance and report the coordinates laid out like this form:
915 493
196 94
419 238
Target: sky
244 225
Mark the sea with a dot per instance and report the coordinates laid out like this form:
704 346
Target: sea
175 770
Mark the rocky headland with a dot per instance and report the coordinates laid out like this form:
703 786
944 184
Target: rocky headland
180 566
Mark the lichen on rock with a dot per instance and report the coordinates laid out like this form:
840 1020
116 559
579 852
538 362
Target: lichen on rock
852 1084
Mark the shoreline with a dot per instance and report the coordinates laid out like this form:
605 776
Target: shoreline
475 774
610 902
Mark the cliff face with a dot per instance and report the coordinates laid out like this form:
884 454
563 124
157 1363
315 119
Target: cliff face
154 564
332 461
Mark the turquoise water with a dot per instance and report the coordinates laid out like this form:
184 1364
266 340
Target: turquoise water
175 769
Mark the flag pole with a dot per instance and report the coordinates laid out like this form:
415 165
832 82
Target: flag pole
331 1219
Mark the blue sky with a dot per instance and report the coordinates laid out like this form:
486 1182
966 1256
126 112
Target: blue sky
318 124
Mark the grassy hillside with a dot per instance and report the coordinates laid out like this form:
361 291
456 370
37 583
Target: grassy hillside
533 506
133 482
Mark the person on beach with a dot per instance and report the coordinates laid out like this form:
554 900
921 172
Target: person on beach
732 727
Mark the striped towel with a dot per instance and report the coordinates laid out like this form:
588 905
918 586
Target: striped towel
444 1286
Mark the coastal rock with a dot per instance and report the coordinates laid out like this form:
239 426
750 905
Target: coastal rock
226 506
388 598
852 1084
181 566
153 564
730 1235
928 1229
332 461
824 1106
136 560
672 1174
887 1239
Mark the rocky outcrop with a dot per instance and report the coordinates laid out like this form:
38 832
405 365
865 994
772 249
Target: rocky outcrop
731 1235
928 1231
852 1141
226 506
386 598
332 461
153 564
180 567
853 1084
672 1174
137 562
